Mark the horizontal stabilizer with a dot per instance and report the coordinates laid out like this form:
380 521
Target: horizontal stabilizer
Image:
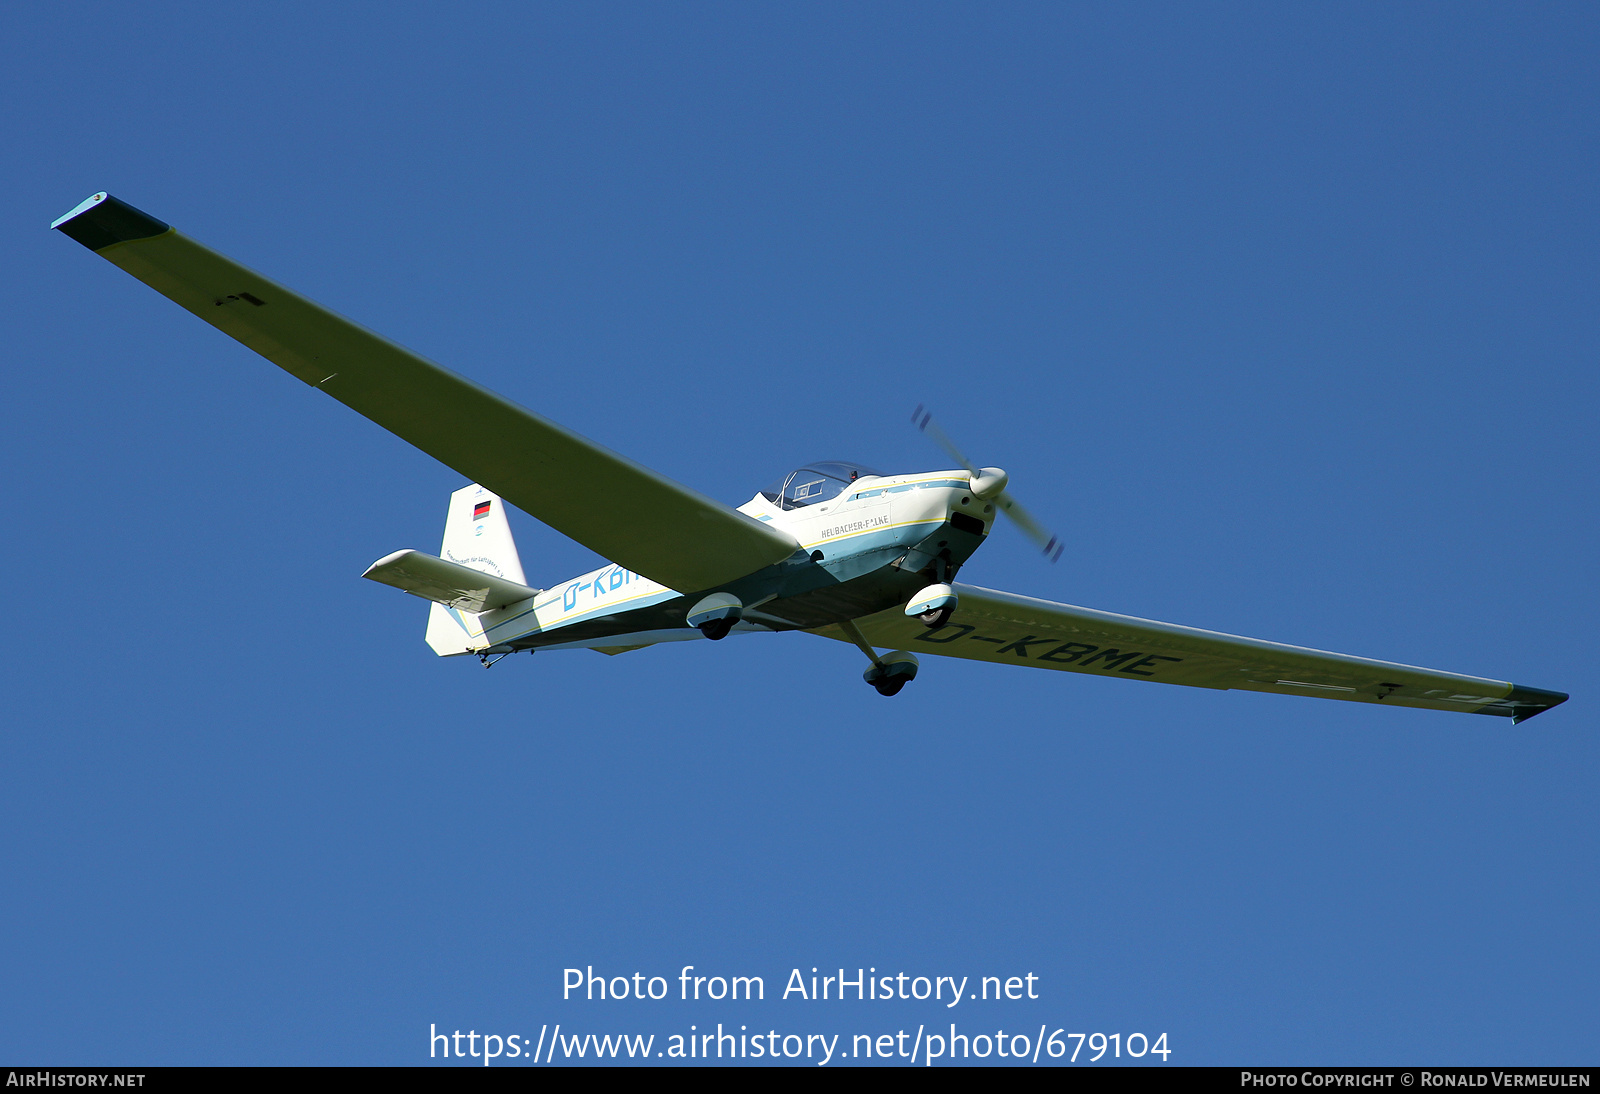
447 583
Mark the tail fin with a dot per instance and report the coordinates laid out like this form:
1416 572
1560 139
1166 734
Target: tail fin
476 535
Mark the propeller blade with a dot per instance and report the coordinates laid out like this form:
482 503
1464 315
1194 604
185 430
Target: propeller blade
924 421
1046 540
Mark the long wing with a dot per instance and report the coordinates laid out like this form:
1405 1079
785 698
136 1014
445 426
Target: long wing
1019 630
620 509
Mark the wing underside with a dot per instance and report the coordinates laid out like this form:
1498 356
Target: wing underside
624 511
1017 630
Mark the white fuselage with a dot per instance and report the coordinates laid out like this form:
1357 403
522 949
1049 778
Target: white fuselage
871 524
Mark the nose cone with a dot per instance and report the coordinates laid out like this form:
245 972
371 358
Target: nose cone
988 482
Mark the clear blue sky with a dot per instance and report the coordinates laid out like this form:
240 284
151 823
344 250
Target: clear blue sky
1283 315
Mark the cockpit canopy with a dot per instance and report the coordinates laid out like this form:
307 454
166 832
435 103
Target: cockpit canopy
815 482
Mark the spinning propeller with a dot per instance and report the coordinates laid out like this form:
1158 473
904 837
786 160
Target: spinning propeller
989 484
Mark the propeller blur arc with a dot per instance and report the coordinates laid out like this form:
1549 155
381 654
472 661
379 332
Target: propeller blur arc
1042 537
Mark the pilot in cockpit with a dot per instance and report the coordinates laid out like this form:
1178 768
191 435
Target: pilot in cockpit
816 482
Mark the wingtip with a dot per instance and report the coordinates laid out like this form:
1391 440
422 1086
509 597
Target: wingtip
82 207
1529 702
101 220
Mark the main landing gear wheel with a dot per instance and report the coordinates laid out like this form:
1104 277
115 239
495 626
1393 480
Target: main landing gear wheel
891 687
715 615
934 606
